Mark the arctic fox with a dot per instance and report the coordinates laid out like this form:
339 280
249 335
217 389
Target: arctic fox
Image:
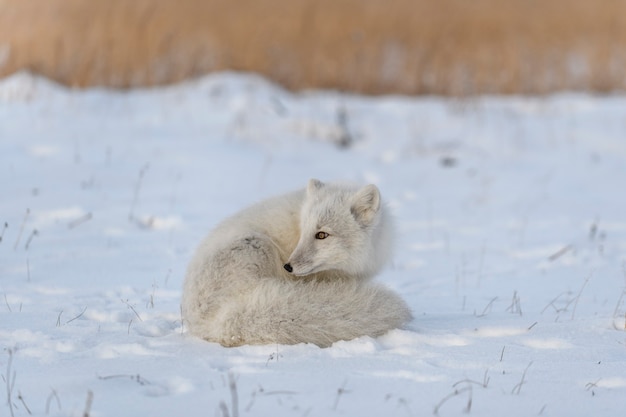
293 269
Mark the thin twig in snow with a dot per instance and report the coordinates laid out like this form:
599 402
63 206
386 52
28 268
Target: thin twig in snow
21 398
487 308
142 172
340 391
281 392
137 378
167 277
405 404
6 225
468 407
234 398
88 403
77 317
10 381
591 385
19 234
518 388
252 400
345 138
516 306
274 355
579 294
30 238
6 301
52 395
182 320
150 303
224 409
133 309
593 230
453 394
556 255
80 221
555 299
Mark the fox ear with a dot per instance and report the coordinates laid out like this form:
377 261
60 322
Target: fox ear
365 204
313 186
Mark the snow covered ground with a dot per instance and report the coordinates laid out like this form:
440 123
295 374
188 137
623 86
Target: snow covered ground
511 252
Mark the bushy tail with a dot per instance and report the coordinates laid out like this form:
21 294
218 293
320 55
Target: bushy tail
322 313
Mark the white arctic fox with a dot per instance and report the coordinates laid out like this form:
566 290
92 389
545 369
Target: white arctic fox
295 268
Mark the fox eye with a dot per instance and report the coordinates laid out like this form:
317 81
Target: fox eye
321 235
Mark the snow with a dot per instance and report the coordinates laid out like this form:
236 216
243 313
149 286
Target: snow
511 249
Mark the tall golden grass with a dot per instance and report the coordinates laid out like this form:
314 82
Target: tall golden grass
451 47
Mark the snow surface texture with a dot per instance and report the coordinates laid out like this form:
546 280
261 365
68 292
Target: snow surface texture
511 249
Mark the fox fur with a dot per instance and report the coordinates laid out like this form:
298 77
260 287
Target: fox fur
295 268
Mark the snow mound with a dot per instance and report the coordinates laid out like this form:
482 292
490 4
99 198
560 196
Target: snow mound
26 86
510 249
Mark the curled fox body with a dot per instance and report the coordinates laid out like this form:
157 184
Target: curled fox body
295 268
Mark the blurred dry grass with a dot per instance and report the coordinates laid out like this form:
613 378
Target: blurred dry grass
452 47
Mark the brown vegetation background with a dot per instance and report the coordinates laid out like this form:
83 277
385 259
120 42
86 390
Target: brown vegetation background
451 47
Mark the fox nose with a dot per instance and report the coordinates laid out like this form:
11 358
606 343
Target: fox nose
288 267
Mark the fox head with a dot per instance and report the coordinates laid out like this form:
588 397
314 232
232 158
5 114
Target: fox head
340 229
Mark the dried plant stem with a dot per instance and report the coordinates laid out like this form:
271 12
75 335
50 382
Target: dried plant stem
19 234
234 398
9 380
21 398
518 388
79 221
132 309
453 394
88 403
6 225
137 188
577 298
30 238
52 395
77 317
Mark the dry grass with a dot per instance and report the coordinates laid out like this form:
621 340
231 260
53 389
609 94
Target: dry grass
453 47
